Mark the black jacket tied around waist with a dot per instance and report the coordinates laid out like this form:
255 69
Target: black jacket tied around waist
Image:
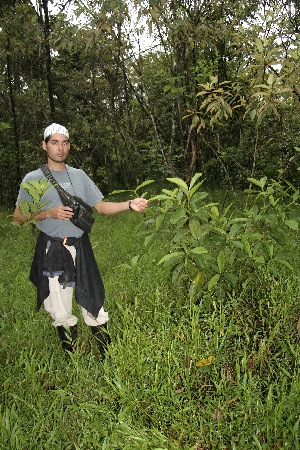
89 289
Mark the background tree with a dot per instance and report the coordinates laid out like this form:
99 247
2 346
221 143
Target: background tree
216 91
20 85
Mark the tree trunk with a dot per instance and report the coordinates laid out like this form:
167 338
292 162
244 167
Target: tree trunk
48 59
17 172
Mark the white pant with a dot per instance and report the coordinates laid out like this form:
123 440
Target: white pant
59 304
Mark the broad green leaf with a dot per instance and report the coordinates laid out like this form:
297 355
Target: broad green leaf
209 205
41 186
180 183
194 179
179 234
213 281
221 261
234 230
202 215
292 224
199 250
107 27
246 245
218 230
149 238
261 183
43 205
215 212
197 196
194 189
32 191
194 226
259 259
180 213
271 78
150 221
273 201
195 120
154 14
24 207
159 220
195 284
285 263
176 272
269 248
36 196
119 191
145 183
238 244
135 259
254 236
170 256
161 197
231 277
201 260
252 114
168 192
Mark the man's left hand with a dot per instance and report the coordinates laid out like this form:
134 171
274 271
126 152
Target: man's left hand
139 204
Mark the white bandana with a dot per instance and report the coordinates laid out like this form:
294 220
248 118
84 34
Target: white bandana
55 128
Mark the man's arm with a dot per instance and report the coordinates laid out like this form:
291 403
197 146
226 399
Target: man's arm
110 208
57 212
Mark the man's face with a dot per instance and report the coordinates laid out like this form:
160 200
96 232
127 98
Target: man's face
57 148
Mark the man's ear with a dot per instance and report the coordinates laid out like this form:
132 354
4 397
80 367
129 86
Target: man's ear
44 147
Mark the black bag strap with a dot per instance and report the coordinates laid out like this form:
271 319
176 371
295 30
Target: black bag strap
64 195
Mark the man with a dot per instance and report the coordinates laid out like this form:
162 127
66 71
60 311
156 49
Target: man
63 257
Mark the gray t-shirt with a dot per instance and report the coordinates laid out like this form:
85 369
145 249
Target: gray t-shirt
74 181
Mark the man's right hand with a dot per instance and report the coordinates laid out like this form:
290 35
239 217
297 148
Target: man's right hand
57 212
60 212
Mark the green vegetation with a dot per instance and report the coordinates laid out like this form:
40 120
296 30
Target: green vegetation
31 207
214 90
190 367
202 290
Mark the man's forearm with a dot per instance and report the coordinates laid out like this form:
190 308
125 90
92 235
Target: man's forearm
20 218
110 208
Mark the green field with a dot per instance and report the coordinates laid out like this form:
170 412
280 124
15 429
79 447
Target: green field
179 374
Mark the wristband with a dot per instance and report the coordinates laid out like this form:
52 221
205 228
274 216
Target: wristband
129 205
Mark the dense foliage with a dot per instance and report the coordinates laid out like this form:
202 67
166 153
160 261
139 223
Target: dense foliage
212 247
204 318
188 368
214 91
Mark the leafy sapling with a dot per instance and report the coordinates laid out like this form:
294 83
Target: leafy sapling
30 208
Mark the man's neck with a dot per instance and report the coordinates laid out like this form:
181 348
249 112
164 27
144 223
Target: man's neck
55 166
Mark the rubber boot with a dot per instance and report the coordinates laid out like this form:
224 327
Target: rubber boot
68 337
102 337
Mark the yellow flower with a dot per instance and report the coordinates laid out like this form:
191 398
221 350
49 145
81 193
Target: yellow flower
205 362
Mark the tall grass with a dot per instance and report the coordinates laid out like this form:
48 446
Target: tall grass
178 375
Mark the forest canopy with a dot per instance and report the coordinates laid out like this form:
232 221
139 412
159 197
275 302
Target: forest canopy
215 89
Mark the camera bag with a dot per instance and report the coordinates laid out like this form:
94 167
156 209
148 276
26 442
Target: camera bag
83 213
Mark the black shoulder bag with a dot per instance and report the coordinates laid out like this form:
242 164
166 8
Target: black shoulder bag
83 213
